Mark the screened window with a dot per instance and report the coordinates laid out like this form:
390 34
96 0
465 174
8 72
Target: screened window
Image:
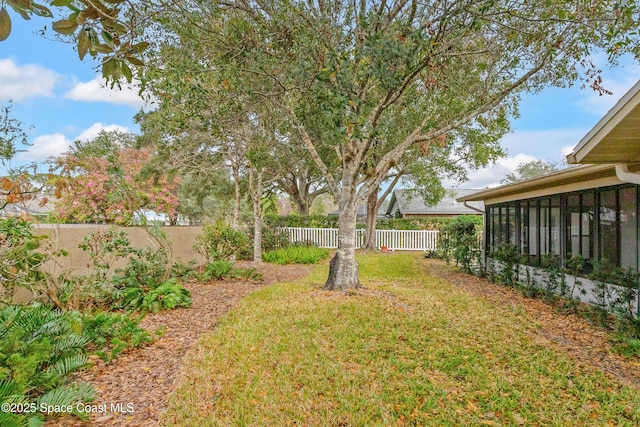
586 224
554 226
629 228
608 227
600 223
573 225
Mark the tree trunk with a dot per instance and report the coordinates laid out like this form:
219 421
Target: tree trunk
303 208
343 268
372 216
255 188
235 221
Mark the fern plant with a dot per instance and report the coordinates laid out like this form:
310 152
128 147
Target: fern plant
39 349
169 295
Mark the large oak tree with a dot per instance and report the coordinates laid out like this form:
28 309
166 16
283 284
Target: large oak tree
433 66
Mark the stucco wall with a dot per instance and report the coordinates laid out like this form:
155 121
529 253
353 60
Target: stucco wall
68 237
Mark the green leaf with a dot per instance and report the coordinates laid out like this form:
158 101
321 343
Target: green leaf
134 61
84 43
5 24
65 26
111 69
126 72
138 47
19 8
61 3
102 48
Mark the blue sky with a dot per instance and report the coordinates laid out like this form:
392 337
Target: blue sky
64 99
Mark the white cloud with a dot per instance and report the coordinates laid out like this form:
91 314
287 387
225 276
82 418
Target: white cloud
594 103
618 81
45 146
492 175
548 145
567 149
96 128
97 91
20 82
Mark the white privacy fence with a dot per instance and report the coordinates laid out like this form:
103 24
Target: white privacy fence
393 240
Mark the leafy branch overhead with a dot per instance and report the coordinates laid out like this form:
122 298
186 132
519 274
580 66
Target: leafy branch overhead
104 29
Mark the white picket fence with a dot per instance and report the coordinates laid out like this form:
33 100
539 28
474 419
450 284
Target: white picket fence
394 240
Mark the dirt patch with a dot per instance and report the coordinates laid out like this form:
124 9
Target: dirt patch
133 390
586 343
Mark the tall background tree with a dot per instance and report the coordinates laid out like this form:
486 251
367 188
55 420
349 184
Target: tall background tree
432 67
107 180
429 67
528 170
18 184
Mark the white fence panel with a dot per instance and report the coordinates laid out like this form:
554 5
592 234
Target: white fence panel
393 240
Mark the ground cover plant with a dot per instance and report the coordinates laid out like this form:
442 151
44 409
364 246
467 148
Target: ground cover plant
295 254
44 342
615 291
411 349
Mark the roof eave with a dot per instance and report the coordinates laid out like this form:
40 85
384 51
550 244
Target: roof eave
552 179
599 132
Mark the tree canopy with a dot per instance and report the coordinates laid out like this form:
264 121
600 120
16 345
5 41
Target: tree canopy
107 179
364 85
372 80
528 170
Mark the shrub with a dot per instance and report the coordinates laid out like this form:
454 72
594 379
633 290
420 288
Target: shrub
22 257
220 270
508 255
625 298
182 270
167 296
295 255
461 237
601 275
113 333
39 349
216 270
246 274
220 242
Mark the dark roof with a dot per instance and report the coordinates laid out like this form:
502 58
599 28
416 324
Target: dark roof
361 212
413 204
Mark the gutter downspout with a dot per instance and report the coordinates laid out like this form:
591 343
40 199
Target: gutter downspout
480 210
623 174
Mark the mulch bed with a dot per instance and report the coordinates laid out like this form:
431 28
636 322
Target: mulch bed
588 344
142 380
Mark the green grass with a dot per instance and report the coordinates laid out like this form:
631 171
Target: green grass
295 255
410 350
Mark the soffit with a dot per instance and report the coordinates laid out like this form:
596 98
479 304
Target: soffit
616 137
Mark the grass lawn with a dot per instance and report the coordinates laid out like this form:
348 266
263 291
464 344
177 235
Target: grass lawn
409 350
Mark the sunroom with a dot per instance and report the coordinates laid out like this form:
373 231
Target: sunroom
589 209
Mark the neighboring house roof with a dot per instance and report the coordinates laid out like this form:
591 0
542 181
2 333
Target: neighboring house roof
362 212
29 207
616 137
413 204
